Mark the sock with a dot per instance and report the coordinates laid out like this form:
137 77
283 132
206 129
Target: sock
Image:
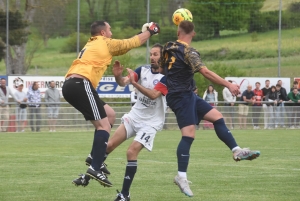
224 133
129 175
235 148
183 153
182 174
99 148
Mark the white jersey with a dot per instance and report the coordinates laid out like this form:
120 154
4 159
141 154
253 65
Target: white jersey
147 111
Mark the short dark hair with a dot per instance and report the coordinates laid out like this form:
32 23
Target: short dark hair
295 82
3 78
278 85
97 26
294 89
257 83
158 46
267 81
273 87
186 26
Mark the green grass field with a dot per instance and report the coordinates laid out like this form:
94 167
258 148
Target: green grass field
41 166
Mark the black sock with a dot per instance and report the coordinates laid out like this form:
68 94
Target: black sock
99 148
183 153
106 154
129 175
224 133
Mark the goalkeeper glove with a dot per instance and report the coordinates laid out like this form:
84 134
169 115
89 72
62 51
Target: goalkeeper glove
153 28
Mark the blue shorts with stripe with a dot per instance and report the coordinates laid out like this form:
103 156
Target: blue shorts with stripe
81 94
188 107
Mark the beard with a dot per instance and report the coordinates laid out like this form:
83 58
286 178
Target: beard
154 66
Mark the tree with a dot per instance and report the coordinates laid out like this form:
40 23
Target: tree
213 17
50 17
19 35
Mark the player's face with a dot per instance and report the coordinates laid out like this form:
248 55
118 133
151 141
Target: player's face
107 32
154 57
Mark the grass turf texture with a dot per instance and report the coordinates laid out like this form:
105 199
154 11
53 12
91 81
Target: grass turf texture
41 166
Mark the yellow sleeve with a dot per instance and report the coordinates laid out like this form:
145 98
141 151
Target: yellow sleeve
119 47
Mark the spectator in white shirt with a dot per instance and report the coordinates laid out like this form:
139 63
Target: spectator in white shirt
21 111
228 106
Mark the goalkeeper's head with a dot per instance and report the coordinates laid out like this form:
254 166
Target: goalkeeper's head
101 28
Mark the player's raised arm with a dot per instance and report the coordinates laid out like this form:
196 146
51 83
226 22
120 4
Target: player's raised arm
118 47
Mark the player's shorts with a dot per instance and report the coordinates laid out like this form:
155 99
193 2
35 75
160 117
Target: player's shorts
81 94
188 108
52 112
21 114
144 134
243 109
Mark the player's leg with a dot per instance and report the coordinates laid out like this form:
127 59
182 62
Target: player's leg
144 139
81 94
224 133
184 108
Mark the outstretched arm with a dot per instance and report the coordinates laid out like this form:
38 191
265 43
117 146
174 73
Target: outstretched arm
151 93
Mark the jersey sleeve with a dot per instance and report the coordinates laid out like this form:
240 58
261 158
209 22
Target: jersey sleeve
138 72
119 47
161 86
194 60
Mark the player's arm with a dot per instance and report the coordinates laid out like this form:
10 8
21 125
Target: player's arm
119 47
159 89
195 62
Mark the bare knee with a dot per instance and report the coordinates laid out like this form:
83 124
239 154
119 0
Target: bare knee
132 153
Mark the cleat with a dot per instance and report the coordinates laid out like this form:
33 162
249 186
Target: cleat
83 180
99 176
121 197
103 168
183 185
245 154
88 160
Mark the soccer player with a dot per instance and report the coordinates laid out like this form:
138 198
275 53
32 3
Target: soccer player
179 62
145 118
83 77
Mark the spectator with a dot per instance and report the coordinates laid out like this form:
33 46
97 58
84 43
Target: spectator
34 104
247 97
210 95
280 109
133 96
296 85
266 90
273 98
229 109
294 119
258 95
52 95
4 107
21 111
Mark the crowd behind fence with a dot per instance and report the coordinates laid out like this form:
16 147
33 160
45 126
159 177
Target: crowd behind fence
285 116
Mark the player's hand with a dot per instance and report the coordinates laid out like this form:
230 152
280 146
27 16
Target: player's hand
153 28
131 76
234 89
145 27
117 69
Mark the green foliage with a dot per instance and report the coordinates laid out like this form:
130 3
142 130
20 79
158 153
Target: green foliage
71 44
124 33
17 33
223 71
125 60
212 17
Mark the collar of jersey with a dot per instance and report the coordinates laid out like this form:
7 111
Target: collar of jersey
180 41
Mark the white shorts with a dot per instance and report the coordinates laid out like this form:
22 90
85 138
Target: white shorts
143 133
53 112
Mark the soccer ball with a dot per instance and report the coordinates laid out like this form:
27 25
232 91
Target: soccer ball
182 14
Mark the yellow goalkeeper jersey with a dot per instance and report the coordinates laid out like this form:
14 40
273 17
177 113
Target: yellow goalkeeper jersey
96 55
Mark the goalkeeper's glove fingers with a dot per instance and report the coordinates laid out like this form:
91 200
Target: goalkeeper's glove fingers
153 28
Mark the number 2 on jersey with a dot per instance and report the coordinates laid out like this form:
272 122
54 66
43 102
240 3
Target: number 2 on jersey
81 53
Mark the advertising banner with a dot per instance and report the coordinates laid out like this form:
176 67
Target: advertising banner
107 88
243 82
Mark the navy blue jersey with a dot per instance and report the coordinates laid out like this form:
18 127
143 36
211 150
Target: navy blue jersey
180 62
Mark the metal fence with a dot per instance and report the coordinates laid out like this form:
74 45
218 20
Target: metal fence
258 117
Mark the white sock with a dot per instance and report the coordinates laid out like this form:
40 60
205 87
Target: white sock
235 148
182 174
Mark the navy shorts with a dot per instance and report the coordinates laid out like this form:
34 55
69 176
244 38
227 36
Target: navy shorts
188 107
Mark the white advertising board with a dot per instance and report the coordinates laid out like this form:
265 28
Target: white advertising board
243 82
